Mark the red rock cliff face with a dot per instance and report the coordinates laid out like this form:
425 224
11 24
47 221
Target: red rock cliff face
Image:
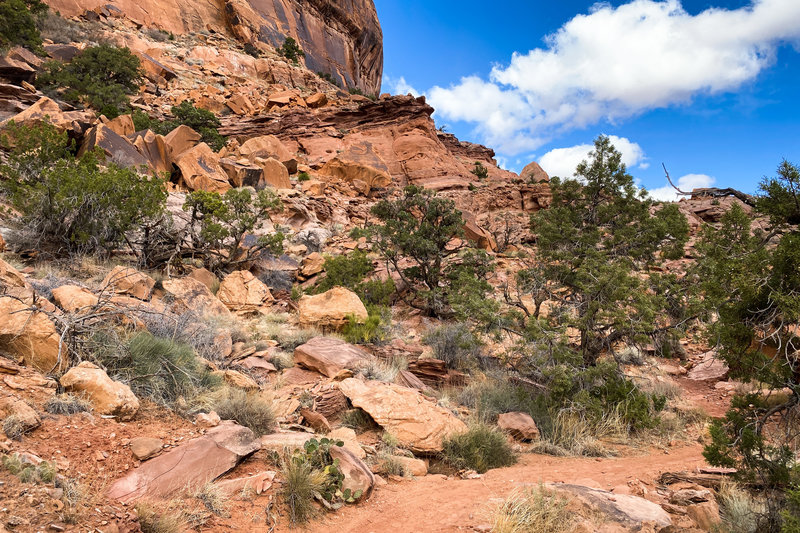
342 38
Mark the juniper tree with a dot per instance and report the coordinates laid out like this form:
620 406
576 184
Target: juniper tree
596 249
750 280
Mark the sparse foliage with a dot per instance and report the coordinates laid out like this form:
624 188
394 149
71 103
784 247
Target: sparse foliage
18 24
200 120
480 448
291 50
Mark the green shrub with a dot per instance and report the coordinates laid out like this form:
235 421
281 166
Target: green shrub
301 481
247 409
456 345
480 171
494 397
220 222
100 77
480 448
158 369
350 271
303 176
374 330
329 78
72 204
291 50
18 24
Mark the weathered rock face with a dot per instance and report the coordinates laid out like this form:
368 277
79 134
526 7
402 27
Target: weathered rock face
419 424
241 292
329 356
331 309
341 38
631 512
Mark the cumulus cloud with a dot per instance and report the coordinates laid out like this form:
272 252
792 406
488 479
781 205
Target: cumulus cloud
685 183
615 62
561 162
399 86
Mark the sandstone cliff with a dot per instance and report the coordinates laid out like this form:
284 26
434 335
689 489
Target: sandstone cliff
343 39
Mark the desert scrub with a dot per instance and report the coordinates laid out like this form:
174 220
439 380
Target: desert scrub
570 433
456 345
740 511
214 499
534 510
200 120
14 427
300 482
496 395
43 473
152 520
357 419
249 409
383 370
373 330
66 404
160 370
480 448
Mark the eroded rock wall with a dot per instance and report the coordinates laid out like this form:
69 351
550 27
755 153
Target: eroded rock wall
341 38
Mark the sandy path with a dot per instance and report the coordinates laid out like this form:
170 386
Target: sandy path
433 504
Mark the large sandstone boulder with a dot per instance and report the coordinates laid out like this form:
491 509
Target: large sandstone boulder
117 148
46 110
181 140
359 164
242 292
266 146
193 464
357 475
74 299
519 425
331 309
29 335
418 424
631 512
201 171
191 295
129 281
275 173
26 417
329 356
108 397
243 173
710 368
154 148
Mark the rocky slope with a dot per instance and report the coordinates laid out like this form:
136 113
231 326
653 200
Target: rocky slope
343 39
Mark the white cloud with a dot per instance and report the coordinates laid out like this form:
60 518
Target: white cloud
615 62
399 86
561 162
685 183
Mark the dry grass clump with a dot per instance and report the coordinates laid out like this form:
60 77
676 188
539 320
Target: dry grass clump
357 419
214 499
66 404
383 370
152 520
14 427
572 434
534 510
300 482
248 409
740 511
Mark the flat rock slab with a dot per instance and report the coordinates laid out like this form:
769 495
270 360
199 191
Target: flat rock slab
188 466
710 368
285 440
631 512
418 424
329 356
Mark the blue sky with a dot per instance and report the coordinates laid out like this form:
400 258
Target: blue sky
711 88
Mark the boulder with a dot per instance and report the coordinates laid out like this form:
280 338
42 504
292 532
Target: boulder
411 465
122 125
357 475
27 418
207 420
314 187
312 265
258 483
200 170
265 146
418 424
236 379
709 368
62 52
348 436
630 512
129 281
243 293
73 299
243 174
154 148
191 295
519 425
705 515
46 110
533 173
275 173
204 276
144 448
241 105
359 163
329 356
155 71
315 421
117 148
2 244
192 464
331 309
108 397
29 335
181 140
317 100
